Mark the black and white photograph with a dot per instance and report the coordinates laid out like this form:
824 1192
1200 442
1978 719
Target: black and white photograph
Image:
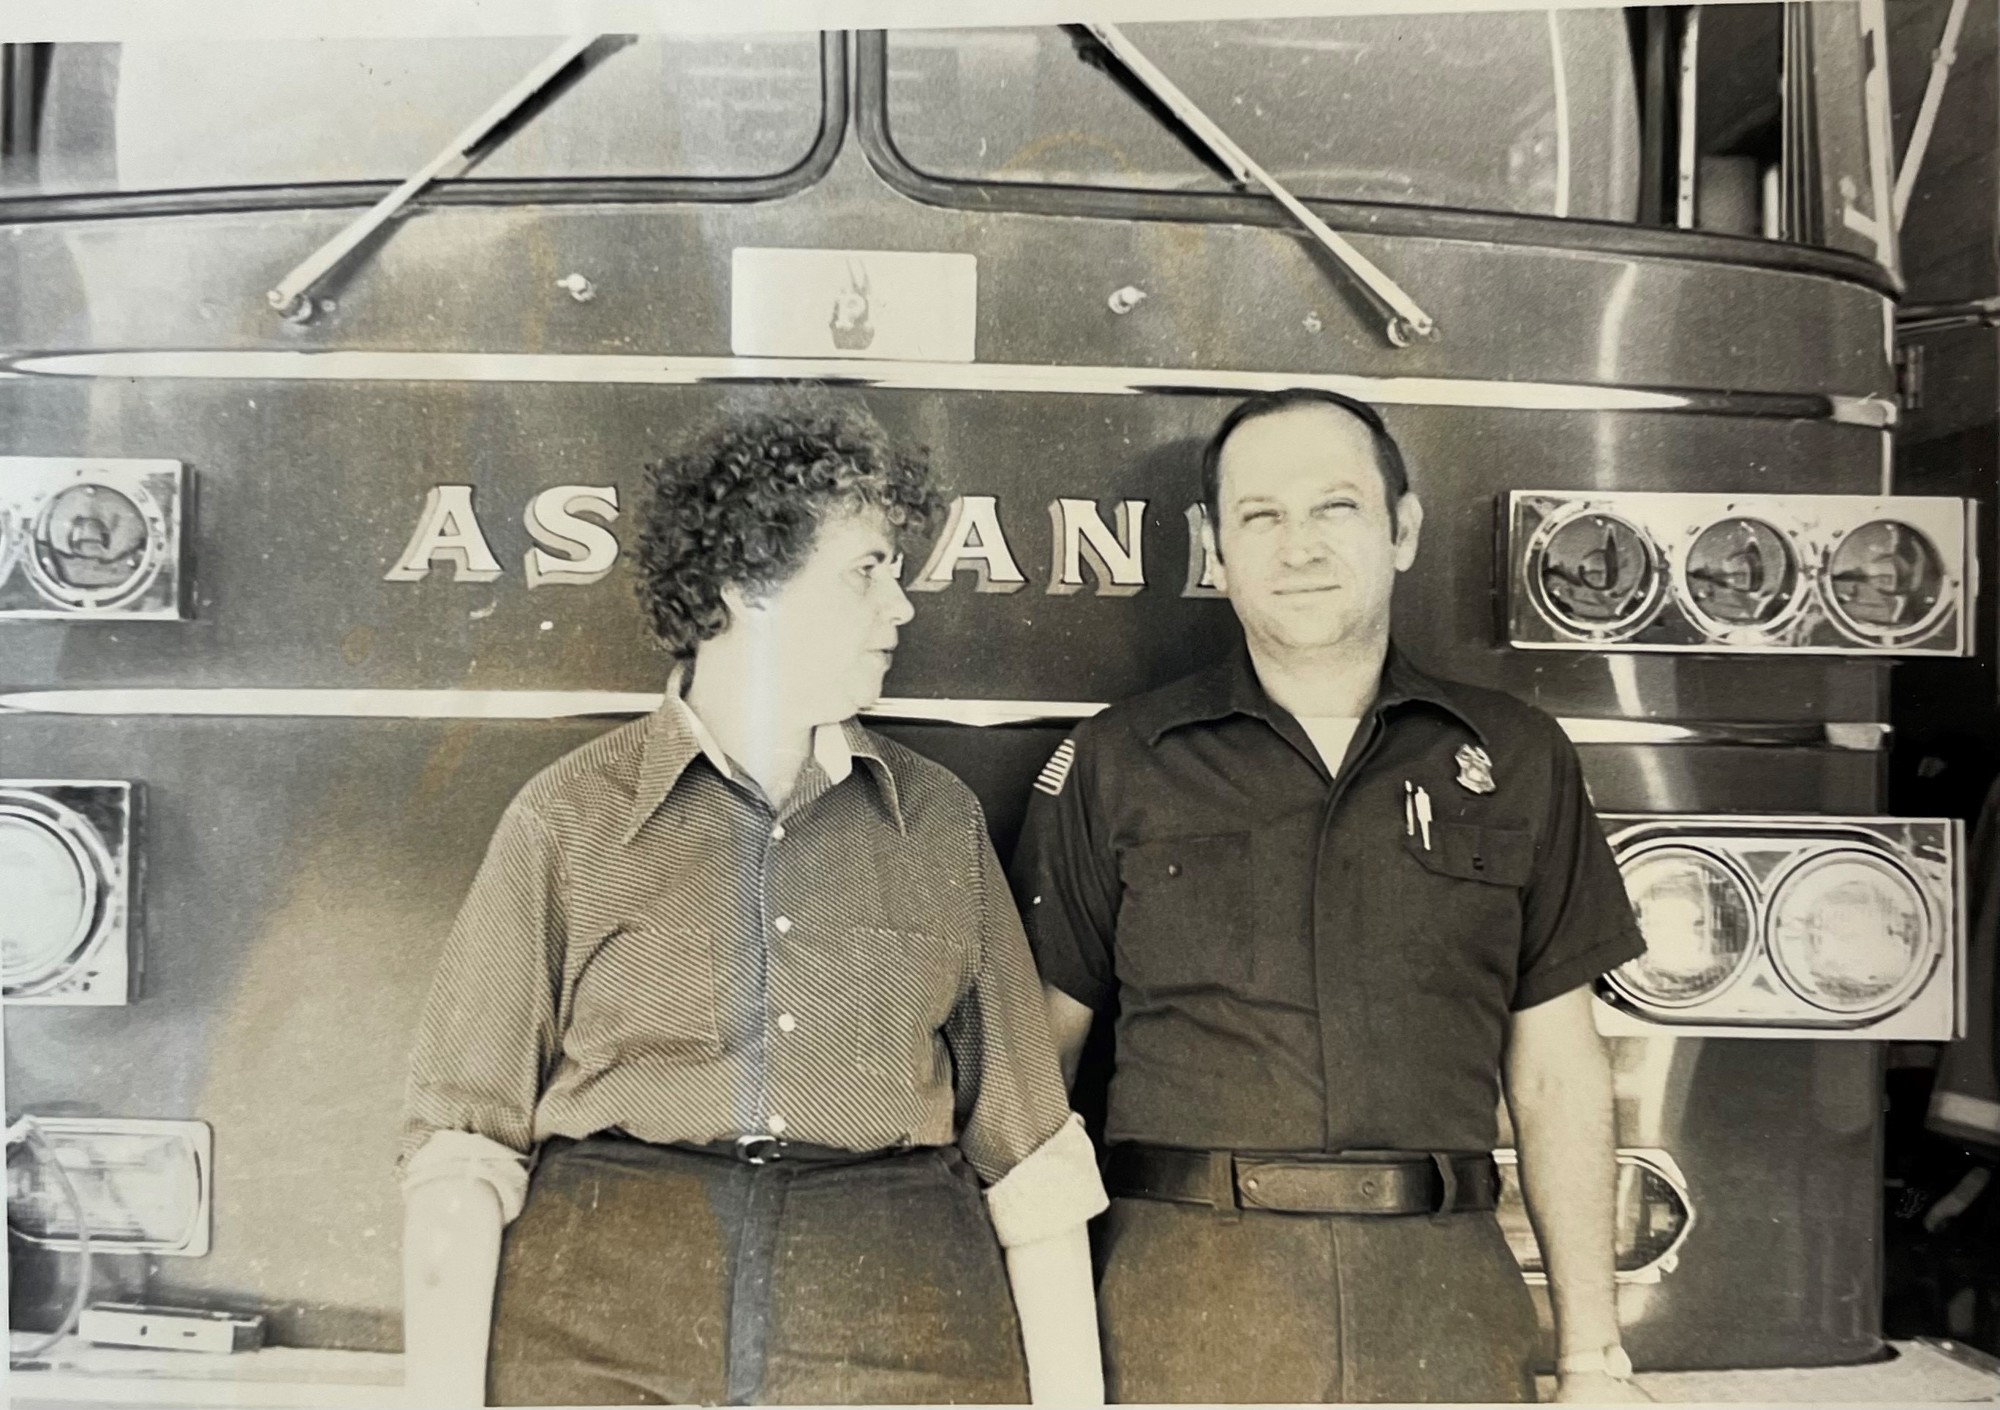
1042 702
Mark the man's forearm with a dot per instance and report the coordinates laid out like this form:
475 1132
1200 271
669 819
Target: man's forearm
451 1261
1559 1090
1057 1303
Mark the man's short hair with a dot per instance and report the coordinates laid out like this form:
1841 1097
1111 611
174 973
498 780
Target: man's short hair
742 506
1388 455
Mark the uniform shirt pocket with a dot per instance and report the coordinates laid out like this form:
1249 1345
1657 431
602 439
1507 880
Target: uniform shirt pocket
1498 856
1183 917
647 991
1468 887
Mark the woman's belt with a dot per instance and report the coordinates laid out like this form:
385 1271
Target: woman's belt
1337 1182
754 1149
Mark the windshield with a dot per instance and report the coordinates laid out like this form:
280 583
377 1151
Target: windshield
1532 112
180 116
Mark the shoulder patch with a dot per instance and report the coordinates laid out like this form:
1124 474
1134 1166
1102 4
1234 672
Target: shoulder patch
1055 773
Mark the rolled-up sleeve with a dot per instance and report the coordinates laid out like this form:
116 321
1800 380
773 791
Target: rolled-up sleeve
489 1030
1015 1123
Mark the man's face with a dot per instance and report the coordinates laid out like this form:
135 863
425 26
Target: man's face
830 630
1309 557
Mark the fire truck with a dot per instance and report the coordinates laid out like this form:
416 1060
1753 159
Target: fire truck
329 369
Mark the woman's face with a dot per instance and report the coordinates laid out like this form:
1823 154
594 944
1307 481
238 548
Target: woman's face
829 631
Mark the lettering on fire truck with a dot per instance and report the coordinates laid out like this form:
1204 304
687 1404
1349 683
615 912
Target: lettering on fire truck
574 544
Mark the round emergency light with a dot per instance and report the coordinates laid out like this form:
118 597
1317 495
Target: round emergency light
55 875
1595 576
1885 583
1699 918
1741 577
1850 932
96 547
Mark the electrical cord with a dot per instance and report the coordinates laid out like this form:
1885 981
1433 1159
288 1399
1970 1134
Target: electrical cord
26 1132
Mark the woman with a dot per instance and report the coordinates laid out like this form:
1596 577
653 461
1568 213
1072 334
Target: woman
743 984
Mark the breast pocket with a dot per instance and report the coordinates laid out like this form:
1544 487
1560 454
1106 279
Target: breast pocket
1184 919
1466 889
887 993
647 991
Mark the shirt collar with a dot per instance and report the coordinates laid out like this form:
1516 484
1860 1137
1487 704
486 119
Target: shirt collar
675 735
1231 687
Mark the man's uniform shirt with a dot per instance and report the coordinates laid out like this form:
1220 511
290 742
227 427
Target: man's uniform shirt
1297 960
650 947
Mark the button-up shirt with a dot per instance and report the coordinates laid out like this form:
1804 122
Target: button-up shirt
1305 957
649 945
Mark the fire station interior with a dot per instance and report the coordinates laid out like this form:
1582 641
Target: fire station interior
1737 550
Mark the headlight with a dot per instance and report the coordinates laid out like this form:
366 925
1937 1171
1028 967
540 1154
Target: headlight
1885 580
50 880
67 870
144 1185
1788 926
1598 575
1742 573
1698 920
1850 932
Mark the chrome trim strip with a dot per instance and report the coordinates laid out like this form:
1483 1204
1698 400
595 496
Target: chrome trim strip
1878 412
1965 1109
307 703
356 365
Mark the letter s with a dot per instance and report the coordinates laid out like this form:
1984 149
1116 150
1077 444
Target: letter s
584 551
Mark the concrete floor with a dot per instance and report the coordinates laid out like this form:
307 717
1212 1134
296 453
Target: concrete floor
83 1377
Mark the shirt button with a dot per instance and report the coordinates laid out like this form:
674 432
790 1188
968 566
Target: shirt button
783 925
777 1125
777 832
786 1023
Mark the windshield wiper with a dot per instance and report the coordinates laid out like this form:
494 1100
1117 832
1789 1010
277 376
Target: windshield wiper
1405 320
293 295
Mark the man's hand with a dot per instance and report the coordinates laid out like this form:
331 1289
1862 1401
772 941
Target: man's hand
1598 1388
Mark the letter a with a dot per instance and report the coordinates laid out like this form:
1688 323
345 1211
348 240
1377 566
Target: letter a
972 538
448 530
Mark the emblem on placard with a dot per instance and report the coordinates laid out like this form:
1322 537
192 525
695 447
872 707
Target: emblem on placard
1475 769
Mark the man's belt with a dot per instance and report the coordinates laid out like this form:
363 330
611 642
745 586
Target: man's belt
1344 1182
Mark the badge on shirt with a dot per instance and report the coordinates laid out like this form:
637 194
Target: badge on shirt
1055 772
1475 769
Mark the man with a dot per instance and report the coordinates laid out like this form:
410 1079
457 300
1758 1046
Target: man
1331 900
744 986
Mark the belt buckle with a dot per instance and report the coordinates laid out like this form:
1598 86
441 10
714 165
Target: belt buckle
759 1149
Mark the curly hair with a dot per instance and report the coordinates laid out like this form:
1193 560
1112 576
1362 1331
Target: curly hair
743 505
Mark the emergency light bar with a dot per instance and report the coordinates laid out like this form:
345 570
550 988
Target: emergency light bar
68 873
100 539
1766 573
1790 927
